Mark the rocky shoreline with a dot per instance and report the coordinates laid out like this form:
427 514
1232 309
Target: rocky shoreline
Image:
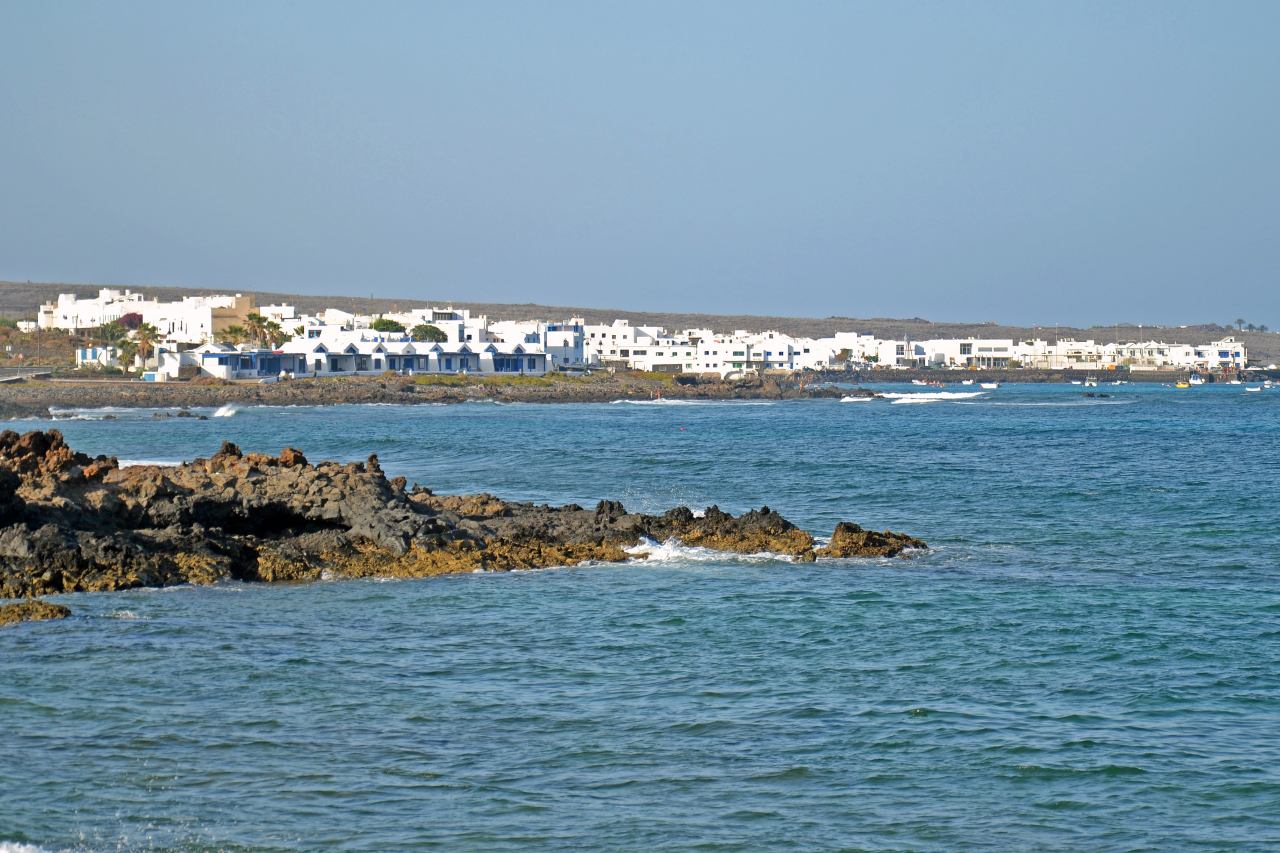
72 523
35 398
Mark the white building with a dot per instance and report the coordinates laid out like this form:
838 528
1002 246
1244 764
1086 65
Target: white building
191 320
73 314
357 351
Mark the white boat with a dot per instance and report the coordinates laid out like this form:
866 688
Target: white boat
988 386
1076 382
1091 382
1235 382
918 382
1196 379
966 381
1249 388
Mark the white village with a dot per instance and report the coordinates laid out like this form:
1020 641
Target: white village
230 337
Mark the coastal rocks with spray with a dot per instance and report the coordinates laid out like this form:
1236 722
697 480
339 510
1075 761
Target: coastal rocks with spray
69 522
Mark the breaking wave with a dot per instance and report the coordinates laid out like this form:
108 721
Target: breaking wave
932 396
673 551
225 411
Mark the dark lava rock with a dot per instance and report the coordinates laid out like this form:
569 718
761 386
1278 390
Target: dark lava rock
71 522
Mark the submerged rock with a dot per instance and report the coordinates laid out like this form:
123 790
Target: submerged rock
31 611
70 522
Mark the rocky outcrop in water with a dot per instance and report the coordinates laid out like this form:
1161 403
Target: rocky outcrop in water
31 611
69 522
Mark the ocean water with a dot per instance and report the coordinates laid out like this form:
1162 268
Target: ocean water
1088 658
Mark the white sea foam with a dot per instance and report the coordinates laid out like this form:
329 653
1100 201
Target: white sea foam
225 411
72 413
932 396
18 847
673 551
127 615
163 463
856 399
664 401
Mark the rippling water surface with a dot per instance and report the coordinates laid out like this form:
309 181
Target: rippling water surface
1089 657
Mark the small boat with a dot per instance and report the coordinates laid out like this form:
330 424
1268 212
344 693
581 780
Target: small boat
1091 382
1181 384
1253 388
918 382
1196 379
988 386
1076 382
966 381
1235 382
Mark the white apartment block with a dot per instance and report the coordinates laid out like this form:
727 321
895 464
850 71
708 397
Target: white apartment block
191 320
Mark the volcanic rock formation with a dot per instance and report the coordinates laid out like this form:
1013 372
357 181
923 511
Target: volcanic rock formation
69 522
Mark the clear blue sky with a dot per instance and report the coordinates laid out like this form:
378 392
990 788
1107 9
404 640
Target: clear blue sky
1063 162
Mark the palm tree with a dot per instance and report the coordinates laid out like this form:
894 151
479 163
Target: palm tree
273 333
256 325
1240 323
128 350
109 333
234 335
146 338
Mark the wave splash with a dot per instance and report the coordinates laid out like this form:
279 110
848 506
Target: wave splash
932 396
673 551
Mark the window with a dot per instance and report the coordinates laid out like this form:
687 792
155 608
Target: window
966 349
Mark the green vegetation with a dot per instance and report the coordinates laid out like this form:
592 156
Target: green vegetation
110 333
8 323
428 333
382 324
263 331
145 339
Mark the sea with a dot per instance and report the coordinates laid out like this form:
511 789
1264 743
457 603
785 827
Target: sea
1086 658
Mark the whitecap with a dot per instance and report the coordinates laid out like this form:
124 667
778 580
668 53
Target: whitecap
225 411
661 401
932 396
673 551
19 847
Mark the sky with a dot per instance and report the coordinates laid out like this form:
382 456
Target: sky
1025 162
